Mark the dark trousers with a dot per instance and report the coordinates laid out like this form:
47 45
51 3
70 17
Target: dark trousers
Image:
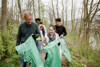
22 63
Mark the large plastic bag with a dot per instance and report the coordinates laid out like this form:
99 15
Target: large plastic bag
29 53
65 50
53 55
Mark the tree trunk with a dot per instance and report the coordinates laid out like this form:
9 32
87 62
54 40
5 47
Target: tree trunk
57 9
34 9
39 9
20 11
62 12
4 25
72 18
53 9
66 14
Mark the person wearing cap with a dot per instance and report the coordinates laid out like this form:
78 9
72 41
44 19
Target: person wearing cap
60 29
39 39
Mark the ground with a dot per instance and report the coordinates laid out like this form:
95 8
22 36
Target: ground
63 61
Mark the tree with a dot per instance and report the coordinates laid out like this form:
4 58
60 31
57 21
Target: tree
39 8
57 9
4 25
89 14
53 9
50 15
34 9
20 11
63 12
72 18
66 13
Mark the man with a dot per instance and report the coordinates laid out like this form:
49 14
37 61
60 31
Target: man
60 29
26 29
39 40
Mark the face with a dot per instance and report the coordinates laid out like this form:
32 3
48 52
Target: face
38 22
51 31
28 19
57 23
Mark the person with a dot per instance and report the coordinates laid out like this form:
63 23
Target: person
42 30
39 40
26 29
51 36
60 29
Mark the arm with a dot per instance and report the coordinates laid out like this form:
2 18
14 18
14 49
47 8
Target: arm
37 31
45 40
58 38
45 30
18 36
64 32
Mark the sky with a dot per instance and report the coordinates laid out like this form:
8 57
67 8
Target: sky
77 6
46 2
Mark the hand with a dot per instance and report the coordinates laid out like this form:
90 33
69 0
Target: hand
34 36
16 52
59 44
61 36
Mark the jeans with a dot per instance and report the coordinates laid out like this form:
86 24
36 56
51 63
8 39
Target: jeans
39 45
22 63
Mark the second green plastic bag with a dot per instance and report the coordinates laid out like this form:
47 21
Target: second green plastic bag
53 59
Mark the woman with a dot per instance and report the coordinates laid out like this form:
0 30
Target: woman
51 36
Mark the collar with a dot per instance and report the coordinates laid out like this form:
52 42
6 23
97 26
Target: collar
27 24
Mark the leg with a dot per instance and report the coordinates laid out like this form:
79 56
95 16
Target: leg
22 63
46 56
39 43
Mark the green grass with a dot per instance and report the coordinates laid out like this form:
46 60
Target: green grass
82 55
9 62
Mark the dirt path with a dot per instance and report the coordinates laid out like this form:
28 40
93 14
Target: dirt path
63 62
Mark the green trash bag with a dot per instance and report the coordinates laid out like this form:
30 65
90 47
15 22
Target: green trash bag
29 53
65 50
53 55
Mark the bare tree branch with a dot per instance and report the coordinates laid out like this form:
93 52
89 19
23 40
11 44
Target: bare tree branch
95 11
90 7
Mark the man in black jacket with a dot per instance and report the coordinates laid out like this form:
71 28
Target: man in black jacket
60 29
26 29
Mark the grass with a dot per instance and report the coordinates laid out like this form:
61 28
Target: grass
82 55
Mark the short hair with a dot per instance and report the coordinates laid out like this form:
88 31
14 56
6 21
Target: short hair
41 22
26 13
37 19
52 27
58 19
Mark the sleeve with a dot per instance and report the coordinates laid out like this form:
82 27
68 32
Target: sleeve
45 30
19 36
57 37
42 30
64 32
45 41
37 31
